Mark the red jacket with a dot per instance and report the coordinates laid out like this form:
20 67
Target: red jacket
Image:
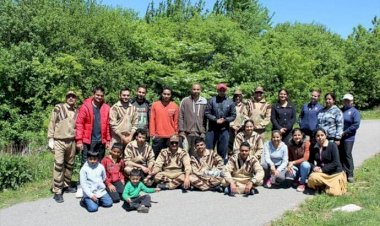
114 171
85 121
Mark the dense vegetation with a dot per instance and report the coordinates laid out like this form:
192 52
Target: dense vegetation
50 46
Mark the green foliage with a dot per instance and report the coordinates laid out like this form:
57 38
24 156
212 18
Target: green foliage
14 171
49 47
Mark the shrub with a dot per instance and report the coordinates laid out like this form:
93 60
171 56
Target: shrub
14 171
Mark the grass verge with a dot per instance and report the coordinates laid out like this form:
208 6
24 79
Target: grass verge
365 192
42 170
371 114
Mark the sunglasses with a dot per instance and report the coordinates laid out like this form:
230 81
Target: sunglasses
174 142
71 96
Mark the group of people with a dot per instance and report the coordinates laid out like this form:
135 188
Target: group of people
216 144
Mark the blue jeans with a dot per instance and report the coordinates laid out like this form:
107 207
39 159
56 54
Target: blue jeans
221 138
92 206
302 171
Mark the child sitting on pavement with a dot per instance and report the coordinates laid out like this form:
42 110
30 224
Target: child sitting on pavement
114 167
131 194
92 177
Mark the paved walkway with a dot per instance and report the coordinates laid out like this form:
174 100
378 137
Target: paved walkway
175 208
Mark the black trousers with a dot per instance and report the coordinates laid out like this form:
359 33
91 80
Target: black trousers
137 202
95 147
158 144
117 195
345 153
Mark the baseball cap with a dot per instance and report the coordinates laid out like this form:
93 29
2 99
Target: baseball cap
348 96
71 93
259 89
238 92
174 138
221 86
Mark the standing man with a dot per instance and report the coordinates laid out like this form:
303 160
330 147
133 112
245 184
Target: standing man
241 116
220 112
143 108
351 118
191 117
123 119
259 110
309 114
92 127
61 135
163 121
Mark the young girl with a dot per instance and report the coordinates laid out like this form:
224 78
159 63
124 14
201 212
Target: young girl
131 194
299 152
114 167
326 168
276 159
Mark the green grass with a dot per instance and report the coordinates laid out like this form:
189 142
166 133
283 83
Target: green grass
365 192
371 114
42 170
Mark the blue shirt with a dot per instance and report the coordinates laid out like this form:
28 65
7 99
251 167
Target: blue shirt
351 118
309 117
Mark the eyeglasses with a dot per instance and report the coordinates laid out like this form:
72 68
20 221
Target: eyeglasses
71 96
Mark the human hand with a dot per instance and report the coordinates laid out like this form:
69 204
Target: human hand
248 188
317 169
337 142
157 189
112 188
51 144
283 130
94 198
186 182
129 200
220 121
145 169
79 147
233 188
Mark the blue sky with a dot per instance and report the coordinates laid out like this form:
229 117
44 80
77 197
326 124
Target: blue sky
339 16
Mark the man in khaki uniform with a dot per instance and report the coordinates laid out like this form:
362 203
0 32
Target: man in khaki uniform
243 172
241 116
172 167
259 110
123 119
139 155
61 135
207 167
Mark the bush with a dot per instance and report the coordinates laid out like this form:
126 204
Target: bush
14 171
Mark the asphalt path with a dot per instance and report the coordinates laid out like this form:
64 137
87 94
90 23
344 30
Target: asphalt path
177 208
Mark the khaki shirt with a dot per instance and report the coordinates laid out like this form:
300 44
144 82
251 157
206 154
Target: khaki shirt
123 121
62 122
141 155
259 112
241 115
209 161
251 169
255 140
172 162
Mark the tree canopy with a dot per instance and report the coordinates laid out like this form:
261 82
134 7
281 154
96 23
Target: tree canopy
50 46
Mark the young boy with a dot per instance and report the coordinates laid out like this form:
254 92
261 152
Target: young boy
114 167
92 176
132 193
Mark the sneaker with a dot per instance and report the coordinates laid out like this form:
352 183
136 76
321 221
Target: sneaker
227 191
70 189
81 203
217 189
79 193
163 186
350 180
58 198
301 188
268 183
143 209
